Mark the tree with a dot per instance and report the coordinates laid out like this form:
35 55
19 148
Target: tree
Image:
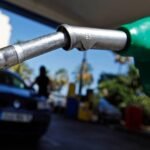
124 90
61 78
23 70
87 76
121 61
121 88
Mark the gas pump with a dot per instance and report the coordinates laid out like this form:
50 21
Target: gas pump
131 39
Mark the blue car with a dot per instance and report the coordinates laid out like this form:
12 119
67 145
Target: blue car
108 113
23 113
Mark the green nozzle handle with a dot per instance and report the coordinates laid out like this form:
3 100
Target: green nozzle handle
138 46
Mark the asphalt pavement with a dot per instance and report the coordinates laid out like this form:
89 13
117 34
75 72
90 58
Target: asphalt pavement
66 134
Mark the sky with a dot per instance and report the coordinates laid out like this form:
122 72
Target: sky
25 29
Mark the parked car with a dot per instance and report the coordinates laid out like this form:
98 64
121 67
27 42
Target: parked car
23 113
57 102
108 113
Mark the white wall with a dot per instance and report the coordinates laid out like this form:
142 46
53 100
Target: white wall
5 30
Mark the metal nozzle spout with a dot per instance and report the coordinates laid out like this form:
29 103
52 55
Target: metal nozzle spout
68 37
18 53
85 38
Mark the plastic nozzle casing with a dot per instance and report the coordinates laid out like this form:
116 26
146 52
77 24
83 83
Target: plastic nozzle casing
138 46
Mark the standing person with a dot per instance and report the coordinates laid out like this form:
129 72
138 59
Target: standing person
43 82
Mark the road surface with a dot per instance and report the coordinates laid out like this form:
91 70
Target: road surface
66 134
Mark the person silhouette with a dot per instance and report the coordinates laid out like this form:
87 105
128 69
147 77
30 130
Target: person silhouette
43 82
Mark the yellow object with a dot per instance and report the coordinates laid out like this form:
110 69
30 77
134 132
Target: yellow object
71 90
84 113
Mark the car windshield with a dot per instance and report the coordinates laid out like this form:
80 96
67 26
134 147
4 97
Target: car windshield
11 80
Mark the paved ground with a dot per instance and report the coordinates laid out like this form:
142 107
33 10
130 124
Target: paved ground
64 134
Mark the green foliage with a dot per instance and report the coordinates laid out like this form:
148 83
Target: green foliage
116 86
142 101
122 87
125 90
23 70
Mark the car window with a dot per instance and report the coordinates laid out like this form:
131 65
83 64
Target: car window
18 83
11 80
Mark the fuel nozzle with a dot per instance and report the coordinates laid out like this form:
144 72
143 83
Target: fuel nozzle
130 40
67 37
